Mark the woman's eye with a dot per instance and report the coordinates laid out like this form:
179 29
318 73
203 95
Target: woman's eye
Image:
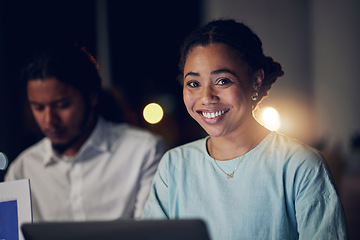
192 84
223 81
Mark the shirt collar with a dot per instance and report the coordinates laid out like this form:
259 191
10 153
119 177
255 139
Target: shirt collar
96 140
99 138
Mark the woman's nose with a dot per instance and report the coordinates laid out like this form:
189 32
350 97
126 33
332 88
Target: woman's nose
209 95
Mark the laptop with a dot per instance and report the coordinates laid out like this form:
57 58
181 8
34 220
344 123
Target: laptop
189 229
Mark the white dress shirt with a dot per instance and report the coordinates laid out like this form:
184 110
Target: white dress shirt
109 178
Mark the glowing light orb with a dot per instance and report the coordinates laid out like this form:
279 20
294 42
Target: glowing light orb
153 113
271 119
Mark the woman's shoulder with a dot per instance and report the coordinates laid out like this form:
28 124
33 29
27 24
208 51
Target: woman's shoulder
194 147
293 152
292 145
183 154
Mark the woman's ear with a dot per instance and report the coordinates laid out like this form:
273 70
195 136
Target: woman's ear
258 78
257 81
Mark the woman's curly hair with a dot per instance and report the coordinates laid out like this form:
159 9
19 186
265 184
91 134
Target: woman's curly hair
241 38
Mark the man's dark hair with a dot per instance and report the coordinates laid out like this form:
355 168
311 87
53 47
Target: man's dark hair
75 66
70 64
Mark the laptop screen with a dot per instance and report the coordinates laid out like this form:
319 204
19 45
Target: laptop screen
190 229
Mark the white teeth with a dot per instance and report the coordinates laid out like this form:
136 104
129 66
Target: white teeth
214 114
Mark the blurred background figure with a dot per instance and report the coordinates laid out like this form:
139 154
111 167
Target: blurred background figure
85 168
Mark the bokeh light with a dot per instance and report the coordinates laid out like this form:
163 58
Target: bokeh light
3 161
153 113
271 119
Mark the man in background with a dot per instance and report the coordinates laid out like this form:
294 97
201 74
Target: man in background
85 168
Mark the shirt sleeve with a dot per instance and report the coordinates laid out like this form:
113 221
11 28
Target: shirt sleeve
14 171
152 158
157 205
319 212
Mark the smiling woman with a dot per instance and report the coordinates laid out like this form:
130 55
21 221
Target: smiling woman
245 181
217 93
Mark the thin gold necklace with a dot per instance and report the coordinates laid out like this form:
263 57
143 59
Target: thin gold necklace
230 175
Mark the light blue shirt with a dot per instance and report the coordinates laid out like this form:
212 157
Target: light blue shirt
282 189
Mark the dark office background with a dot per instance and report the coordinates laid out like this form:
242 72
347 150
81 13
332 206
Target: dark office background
144 40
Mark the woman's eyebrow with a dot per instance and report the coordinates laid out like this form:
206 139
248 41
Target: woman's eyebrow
219 71
222 71
192 74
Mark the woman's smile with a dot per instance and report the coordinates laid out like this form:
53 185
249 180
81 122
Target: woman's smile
212 114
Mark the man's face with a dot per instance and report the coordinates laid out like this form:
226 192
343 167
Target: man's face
59 110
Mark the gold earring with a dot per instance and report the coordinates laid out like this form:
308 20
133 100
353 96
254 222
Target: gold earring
255 96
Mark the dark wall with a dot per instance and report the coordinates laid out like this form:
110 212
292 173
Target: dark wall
145 38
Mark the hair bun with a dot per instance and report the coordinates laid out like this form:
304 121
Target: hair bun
272 70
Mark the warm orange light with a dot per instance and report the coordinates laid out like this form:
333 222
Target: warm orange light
271 119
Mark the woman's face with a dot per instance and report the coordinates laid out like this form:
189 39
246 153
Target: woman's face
217 89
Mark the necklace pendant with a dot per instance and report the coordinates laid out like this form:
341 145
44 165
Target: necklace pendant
230 176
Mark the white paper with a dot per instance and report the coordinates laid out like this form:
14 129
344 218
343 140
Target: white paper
15 208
